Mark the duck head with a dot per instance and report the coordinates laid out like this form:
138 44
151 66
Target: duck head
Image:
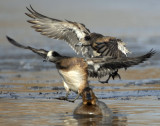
88 96
52 56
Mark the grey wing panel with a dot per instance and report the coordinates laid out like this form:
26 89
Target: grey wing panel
71 32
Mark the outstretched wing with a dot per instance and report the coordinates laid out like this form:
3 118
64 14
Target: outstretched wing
109 46
99 67
71 32
41 52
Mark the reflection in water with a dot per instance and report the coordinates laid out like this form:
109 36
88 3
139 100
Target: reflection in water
93 121
38 112
118 119
93 112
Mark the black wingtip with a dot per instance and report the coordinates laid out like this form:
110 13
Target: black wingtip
13 42
151 53
31 7
9 39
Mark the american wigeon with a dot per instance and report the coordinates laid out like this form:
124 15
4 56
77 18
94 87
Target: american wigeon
75 70
79 38
91 106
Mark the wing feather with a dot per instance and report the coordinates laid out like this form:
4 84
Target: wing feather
109 65
41 52
108 46
71 32
109 49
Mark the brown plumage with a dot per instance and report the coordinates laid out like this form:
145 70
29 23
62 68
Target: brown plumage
74 74
75 71
88 96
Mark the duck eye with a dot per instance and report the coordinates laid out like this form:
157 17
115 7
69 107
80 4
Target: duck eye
55 54
87 38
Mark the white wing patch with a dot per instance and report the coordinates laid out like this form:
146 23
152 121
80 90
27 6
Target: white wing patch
121 47
79 32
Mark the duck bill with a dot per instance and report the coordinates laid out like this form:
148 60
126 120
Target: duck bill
46 59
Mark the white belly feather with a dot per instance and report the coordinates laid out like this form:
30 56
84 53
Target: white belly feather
72 79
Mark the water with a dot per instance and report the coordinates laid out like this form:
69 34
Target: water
28 86
142 111
42 112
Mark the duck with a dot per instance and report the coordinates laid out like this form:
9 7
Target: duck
82 41
92 111
75 71
91 106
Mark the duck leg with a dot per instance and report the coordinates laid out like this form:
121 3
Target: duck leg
116 74
106 81
66 98
74 99
63 97
113 75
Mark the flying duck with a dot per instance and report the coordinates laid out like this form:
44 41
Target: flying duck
80 38
75 71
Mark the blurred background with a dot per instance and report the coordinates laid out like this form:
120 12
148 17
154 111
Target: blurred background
135 22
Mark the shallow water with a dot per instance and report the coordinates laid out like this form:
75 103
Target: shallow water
28 86
137 112
44 112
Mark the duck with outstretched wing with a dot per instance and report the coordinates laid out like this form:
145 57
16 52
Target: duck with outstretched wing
75 71
80 38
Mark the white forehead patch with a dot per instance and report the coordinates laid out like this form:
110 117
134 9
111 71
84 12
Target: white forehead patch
49 54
